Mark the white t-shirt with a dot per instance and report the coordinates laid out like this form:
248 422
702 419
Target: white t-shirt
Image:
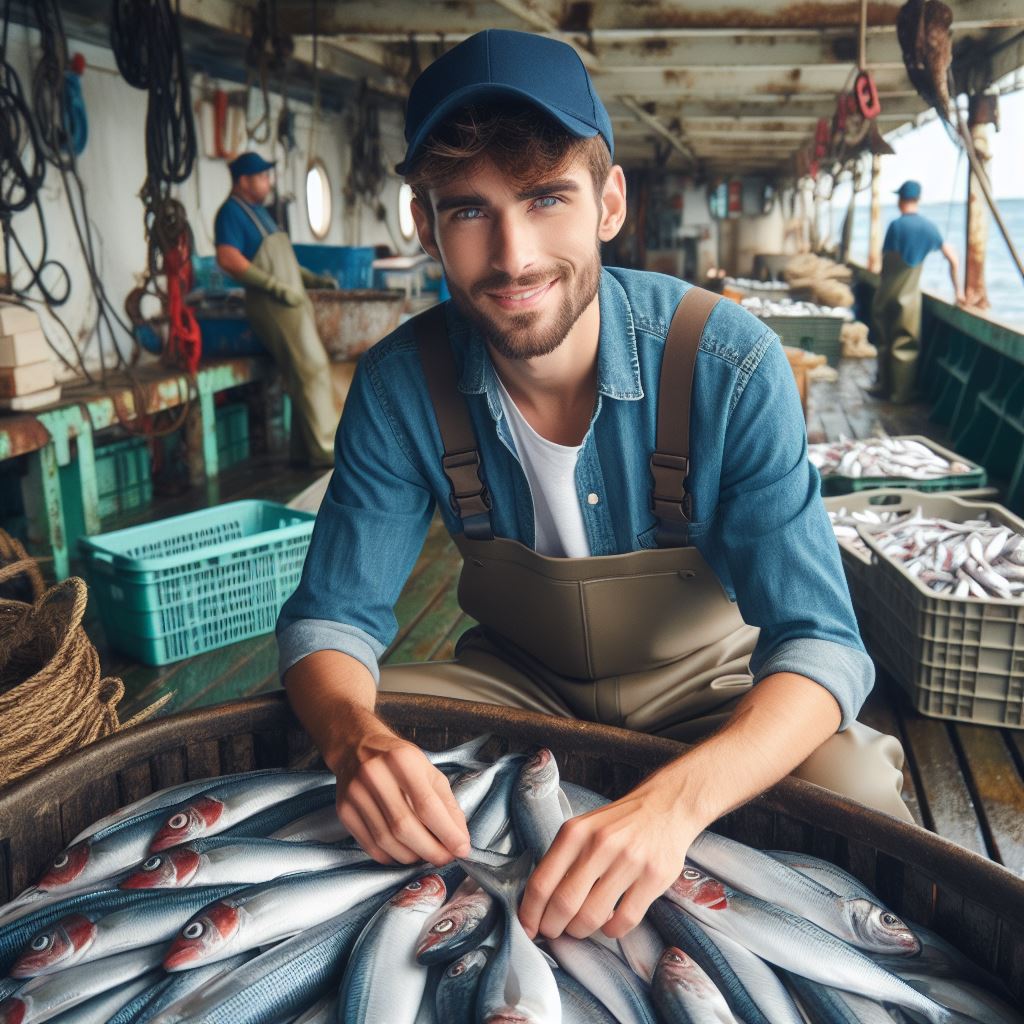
551 472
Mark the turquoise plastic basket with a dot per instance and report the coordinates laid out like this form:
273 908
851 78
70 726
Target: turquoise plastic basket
193 583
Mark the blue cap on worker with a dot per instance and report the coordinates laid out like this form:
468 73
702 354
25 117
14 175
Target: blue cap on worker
909 190
248 163
502 64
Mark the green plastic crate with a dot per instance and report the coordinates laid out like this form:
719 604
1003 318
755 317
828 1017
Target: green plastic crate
193 583
977 477
818 334
956 658
232 423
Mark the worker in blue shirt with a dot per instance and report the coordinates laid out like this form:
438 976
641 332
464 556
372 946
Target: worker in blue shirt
253 250
896 310
621 459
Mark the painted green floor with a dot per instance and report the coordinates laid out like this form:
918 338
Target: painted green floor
963 781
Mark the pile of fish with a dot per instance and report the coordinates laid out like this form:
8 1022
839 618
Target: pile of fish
760 306
242 900
748 284
970 559
845 522
888 457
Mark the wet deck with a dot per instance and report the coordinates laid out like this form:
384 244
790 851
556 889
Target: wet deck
964 782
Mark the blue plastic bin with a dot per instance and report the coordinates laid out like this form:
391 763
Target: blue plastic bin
228 334
351 266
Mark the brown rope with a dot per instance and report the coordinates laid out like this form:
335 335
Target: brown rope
52 698
20 577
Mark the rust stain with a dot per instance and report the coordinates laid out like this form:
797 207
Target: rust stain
664 14
677 77
21 435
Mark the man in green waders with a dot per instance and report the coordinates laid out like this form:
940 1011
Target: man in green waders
258 254
896 310
621 459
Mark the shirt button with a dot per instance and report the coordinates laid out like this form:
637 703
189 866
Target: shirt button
592 499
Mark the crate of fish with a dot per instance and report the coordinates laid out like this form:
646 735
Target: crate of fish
192 583
228 890
946 593
849 465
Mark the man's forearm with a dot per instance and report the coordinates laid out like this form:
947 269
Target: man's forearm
776 727
333 695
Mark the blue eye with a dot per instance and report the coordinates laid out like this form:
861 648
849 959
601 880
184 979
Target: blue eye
554 200
459 214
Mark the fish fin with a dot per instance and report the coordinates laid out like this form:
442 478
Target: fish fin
552 962
564 805
458 755
504 877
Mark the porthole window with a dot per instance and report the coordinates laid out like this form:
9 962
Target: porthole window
318 199
405 222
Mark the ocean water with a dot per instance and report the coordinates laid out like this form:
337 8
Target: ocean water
1005 285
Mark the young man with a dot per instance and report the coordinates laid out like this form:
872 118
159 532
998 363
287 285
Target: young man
896 310
606 508
258 254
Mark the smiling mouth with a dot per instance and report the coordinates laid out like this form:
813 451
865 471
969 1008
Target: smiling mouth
525 296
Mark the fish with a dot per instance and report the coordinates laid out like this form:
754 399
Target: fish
107 1006
287 978
39 999
579 1005
285 814
223 806
821 1002
518 986
974 1001
471 787
610 980
889 457
95 934
220 860
455 998
862 922
383 983
323 1011
796 945
684 994
539 807
320 826
458 926
174 988
641 947
262 914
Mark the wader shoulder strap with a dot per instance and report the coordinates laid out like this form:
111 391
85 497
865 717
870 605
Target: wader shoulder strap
461 461
260 226
670 463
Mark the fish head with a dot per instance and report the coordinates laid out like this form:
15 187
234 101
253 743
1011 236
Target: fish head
451 924
697 887
13 1010
539 776
880 930
676 969
425 893
66 867
191 821
509 1015
207 932
61 943
469 963
172 869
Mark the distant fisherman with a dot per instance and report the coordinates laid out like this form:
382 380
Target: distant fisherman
896 311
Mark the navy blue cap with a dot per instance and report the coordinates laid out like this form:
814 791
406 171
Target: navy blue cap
249 163
909 190
501 64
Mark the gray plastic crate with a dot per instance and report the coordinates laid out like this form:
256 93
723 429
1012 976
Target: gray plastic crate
958 658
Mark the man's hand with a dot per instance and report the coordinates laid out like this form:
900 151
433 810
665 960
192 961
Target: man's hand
607 867
396 804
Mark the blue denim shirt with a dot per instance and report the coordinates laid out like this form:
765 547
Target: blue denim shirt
758 518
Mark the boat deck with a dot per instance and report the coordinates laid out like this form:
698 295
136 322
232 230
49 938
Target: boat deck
964 782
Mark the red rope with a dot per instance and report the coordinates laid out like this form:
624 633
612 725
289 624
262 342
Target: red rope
184 340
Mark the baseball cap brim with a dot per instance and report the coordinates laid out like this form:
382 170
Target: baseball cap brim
487 91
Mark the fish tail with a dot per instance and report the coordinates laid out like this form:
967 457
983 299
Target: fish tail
464 752
502 876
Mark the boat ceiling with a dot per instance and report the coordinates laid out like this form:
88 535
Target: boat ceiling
711 89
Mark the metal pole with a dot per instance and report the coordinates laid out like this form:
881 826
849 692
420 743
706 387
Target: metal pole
983 111
875 236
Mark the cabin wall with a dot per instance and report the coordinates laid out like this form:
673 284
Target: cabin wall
113 168
742 238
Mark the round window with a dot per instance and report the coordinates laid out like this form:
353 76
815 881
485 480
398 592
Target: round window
405 222
318 199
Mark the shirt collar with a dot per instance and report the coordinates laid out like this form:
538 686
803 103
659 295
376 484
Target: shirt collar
618 369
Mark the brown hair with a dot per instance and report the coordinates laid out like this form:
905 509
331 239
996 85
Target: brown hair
521 141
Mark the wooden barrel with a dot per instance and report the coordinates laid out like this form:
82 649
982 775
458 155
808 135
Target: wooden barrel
975 904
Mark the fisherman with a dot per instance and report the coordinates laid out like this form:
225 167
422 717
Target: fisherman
607 508
253 250
896 310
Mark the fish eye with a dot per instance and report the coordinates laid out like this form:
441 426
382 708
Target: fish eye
456 969
40 943
414 886
891 920
178 821
61 860
674 957
152 864
691 874
443 926
194 930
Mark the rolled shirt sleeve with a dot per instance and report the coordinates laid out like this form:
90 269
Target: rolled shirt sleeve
779 545
368 534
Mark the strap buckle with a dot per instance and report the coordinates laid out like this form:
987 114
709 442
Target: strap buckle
469 495
669 498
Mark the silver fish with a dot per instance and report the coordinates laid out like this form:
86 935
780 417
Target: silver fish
322 826
176 987
103 1009
471 787
459 926
579 1004
539 807
383 983
684 994
518 986
455 998
323 1011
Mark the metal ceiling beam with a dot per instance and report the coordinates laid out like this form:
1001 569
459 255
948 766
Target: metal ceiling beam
676 140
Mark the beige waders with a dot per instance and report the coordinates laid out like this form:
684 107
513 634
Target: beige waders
646 640
289 334
896 327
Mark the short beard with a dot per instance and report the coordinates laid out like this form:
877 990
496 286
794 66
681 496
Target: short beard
522 338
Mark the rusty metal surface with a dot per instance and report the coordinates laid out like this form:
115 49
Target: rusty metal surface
21 434
984 112
349 321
